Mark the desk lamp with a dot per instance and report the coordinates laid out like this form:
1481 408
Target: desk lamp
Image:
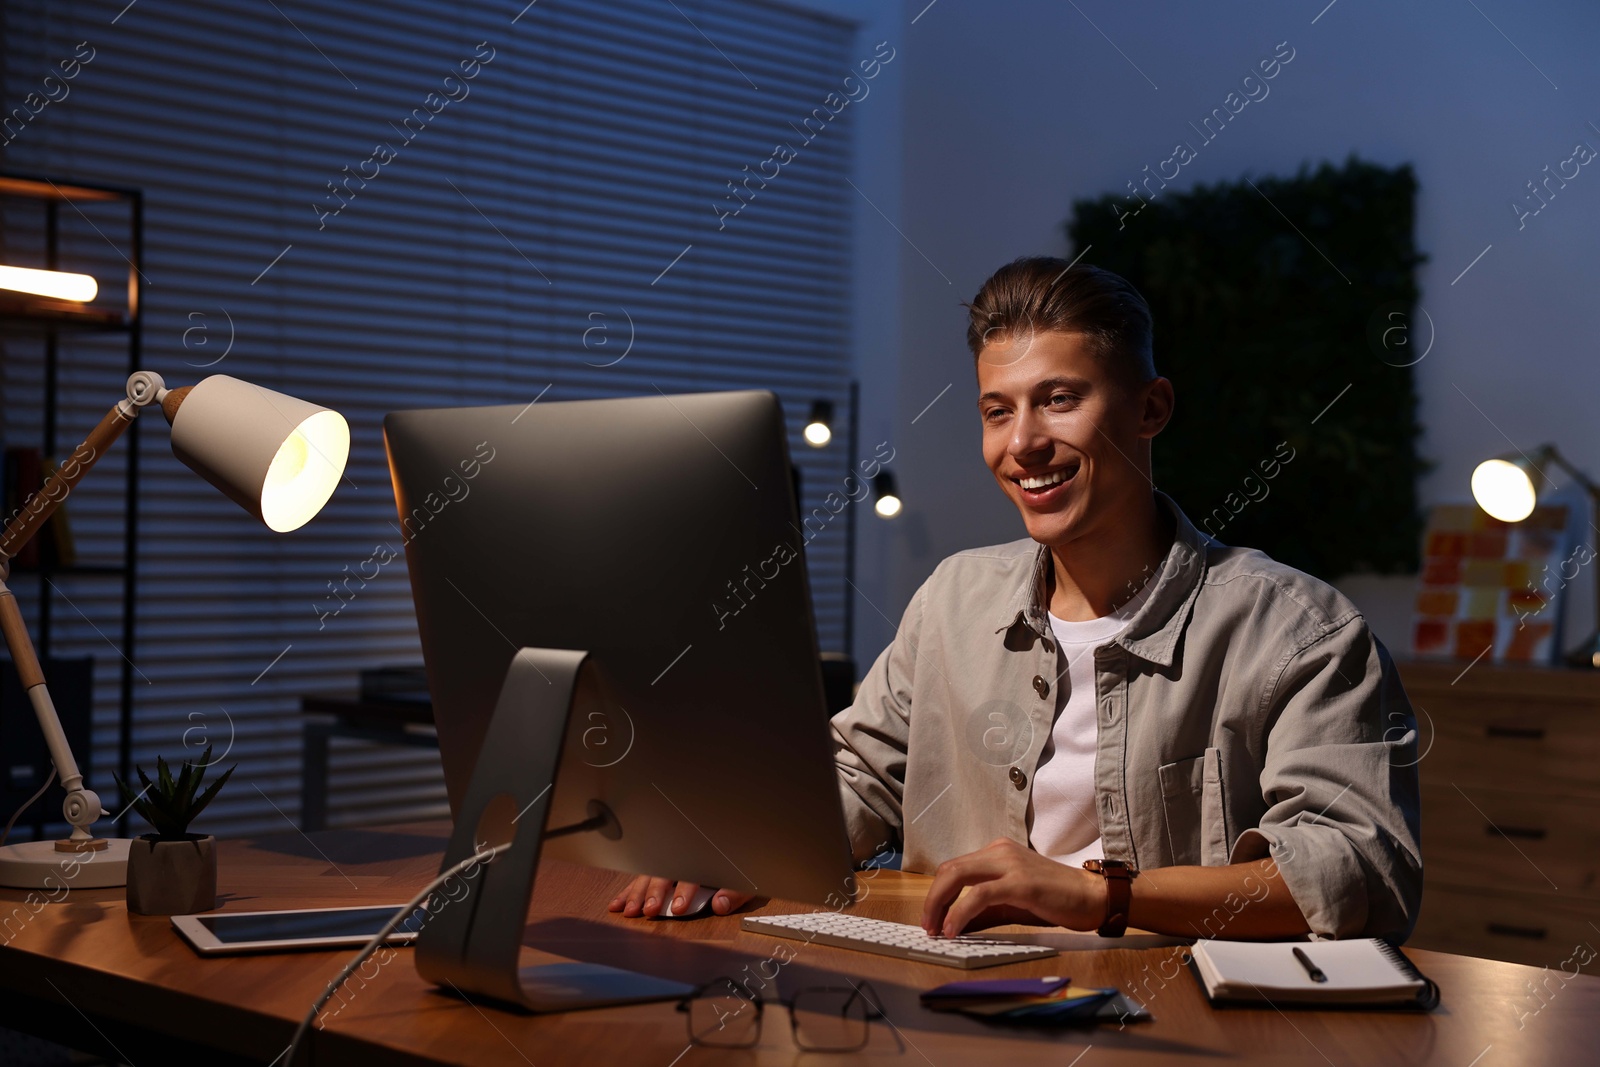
1507 486
279 458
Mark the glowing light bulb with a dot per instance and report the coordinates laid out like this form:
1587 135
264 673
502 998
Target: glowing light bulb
290 461
56 284
819 424
1503 490
305 471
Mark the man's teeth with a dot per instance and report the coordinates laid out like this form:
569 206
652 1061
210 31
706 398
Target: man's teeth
1044 480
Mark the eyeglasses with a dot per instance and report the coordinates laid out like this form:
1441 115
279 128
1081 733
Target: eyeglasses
721 1014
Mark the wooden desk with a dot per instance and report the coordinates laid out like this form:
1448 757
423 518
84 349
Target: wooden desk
87 958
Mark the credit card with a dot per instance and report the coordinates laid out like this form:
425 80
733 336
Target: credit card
996 987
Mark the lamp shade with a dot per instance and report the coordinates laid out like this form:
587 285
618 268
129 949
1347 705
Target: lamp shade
276 456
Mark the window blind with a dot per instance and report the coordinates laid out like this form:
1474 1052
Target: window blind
410 204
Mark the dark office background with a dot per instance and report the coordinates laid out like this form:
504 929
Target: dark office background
567 202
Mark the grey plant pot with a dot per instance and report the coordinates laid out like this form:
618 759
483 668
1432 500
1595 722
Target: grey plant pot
176 877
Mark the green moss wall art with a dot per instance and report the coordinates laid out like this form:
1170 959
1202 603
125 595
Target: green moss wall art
1286 316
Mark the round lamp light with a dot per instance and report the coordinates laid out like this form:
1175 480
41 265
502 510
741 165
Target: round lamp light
276 456
887 502
1504 489
819 427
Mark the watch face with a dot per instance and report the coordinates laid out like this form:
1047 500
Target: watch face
1109 867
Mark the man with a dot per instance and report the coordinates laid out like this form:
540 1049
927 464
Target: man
1222 731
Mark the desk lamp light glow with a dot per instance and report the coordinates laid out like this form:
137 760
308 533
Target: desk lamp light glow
1507 487
277 457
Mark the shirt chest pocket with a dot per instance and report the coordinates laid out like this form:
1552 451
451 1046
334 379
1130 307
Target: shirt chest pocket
1192 802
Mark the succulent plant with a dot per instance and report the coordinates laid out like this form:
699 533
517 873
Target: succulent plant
170 804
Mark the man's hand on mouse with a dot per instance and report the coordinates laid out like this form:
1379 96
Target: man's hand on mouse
646 897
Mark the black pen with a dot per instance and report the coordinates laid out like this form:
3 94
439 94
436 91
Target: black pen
1311 968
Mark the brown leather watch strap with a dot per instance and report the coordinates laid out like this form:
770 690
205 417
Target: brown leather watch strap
1119 876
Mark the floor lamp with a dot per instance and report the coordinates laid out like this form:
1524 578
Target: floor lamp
278 457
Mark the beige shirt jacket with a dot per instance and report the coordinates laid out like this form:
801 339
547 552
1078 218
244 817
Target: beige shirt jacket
1245 710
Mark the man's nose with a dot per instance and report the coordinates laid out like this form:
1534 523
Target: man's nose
1028 435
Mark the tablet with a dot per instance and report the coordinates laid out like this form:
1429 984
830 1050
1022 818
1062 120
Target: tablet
226 933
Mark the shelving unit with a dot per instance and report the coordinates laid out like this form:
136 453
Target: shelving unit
21 316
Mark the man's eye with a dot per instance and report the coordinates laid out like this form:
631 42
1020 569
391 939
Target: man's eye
993 414
1062 398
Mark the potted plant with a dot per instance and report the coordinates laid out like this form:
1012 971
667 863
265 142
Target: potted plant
172 872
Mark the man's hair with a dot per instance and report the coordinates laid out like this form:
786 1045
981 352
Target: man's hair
1044 293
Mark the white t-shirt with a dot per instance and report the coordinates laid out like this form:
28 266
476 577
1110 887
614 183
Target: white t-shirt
1062 819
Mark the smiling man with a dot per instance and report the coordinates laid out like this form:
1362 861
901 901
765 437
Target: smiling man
1118 720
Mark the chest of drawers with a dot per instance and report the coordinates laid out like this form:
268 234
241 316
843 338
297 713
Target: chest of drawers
1510 774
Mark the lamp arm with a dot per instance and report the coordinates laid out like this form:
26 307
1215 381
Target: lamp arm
1573 472
144 388
1592 651
82 806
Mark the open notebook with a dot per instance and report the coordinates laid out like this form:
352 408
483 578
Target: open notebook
1367 973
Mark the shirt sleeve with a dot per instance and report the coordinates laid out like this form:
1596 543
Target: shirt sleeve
870 738
1340 782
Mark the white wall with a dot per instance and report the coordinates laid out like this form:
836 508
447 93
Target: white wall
1013 110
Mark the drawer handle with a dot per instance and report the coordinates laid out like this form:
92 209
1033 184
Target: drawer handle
1532 933
1521 733
1531 833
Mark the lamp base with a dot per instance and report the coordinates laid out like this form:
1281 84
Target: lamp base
37 865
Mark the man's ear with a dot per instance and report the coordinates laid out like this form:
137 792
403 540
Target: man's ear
1155 407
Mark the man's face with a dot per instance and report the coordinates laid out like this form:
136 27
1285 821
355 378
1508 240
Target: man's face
1066 440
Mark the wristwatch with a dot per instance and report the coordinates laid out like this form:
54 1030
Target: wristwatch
1119 876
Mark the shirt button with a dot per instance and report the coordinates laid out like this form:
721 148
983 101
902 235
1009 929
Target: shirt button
1019 779
1041 686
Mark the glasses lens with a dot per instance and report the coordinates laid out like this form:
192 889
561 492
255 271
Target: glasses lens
830 1020
721 1018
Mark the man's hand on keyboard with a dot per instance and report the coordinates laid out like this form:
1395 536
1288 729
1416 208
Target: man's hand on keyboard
646 897
1010 883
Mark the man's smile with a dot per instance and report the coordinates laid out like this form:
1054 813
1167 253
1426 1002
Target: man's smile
1040 489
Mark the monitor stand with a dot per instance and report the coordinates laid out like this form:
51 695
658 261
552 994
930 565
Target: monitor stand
472 940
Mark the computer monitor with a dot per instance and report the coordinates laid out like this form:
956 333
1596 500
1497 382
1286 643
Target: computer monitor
659 535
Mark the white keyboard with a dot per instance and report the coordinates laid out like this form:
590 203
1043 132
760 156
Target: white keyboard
893 939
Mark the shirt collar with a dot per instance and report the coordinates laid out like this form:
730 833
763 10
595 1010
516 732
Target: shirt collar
1155 628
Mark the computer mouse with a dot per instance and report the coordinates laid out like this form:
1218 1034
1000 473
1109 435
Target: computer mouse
699 903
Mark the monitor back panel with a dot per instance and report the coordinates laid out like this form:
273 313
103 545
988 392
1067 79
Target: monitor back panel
660 535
